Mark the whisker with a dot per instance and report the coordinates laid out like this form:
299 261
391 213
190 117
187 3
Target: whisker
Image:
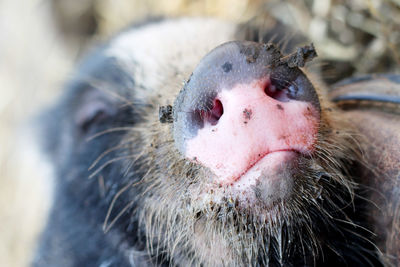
102 155
115 198
106 228
116 129
108 163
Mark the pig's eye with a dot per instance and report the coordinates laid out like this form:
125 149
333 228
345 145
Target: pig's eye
96 116
94 109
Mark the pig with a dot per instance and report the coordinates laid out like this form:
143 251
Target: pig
196 142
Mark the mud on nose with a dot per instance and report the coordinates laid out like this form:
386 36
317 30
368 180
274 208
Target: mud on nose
242 103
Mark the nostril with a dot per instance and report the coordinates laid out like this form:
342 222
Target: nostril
213 115
216 112
277 92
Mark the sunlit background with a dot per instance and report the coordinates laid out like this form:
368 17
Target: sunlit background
41 40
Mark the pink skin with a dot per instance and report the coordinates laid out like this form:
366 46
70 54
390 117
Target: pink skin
252 128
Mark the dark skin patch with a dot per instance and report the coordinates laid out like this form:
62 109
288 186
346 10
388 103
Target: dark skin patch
279 107
247 113
227 67
308 113
283 137
257 191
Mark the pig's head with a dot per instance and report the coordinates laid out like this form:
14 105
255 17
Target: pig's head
250 168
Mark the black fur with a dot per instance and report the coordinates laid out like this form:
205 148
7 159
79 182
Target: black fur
74 235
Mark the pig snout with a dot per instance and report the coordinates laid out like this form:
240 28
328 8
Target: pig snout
245 116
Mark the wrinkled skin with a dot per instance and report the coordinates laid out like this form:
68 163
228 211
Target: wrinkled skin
130 192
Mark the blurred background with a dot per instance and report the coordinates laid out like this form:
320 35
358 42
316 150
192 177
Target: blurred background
41 40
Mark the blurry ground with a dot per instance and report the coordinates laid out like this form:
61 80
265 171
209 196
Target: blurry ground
41 39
